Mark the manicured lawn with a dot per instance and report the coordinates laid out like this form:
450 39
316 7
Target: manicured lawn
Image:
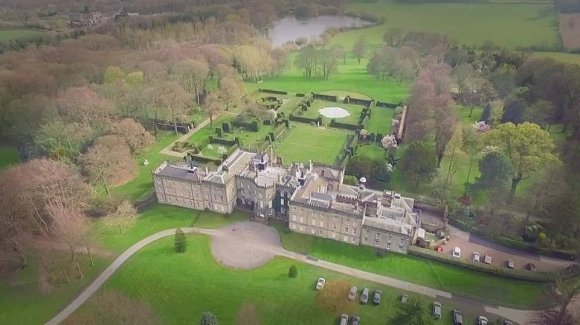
21 301
352 77
305 142
143 183
507 25
8 156
9 33
182 286
372 150
380 120
316 105
423 271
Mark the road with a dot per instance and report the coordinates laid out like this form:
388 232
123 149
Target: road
520 316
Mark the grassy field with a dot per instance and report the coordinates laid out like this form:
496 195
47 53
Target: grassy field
9 33
314 110
417 270
156 218
21 301
194 282
305 142
564 57
508 25
351 77
8 156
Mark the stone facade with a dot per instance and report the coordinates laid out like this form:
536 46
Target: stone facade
310 197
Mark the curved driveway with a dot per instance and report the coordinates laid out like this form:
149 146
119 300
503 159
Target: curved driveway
520 316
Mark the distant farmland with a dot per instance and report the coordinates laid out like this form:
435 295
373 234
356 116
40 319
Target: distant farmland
8 34
570 30
506 24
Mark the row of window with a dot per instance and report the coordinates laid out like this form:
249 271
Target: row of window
320 233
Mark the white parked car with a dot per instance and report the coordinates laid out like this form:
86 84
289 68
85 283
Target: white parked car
487 259
482 320
476 257
352 293
456 252
320 283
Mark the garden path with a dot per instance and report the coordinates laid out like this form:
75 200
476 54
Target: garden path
167 150
257 244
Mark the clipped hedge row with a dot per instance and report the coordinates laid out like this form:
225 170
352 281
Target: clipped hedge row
347 126
303 119
387 105
223 141
271 91
325 97
532 276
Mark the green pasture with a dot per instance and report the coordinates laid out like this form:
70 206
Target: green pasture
194 282
559 56
506 24
349 77
6 34
305 142
8 156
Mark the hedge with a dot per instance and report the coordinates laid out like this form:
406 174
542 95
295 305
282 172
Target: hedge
356 101
302 119
270 91
325 97
347 126
299 95
223 141
387 105
203 159
250 125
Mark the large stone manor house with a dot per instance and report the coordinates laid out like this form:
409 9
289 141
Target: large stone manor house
311 197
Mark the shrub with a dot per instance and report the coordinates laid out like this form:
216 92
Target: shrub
293 271
180 241
208 318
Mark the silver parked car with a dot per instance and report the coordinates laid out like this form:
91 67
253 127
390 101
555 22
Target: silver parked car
437 310
377 297
355 320
320 283
364 296
352 293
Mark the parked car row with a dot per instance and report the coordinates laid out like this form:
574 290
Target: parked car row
487 259
481 320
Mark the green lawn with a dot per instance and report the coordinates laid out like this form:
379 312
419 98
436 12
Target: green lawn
194 282
372 150
380 120
306 142
352 77
7 34
564 57
21 301
8 156
508 25
316 105
421 271
143 183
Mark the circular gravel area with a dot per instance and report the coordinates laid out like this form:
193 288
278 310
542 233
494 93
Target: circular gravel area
239 245
334 112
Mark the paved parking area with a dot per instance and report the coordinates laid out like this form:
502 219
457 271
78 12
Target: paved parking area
237 245
470 243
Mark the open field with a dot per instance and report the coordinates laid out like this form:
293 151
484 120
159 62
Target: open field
417 270
8 156
305 142
21 301
194 282
352 77
507 25
9 33
559 56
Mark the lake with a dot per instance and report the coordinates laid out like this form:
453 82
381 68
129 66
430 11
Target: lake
290 29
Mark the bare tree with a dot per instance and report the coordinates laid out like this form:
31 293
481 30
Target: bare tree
193 75
359 49
84 105
108 161
213 106
561 313
132 132
124 216
230 91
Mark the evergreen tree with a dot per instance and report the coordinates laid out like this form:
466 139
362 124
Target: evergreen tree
207 318
180 241
293 271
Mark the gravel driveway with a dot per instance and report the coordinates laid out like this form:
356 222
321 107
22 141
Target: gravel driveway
236 247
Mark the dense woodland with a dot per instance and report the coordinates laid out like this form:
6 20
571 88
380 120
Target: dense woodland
81 108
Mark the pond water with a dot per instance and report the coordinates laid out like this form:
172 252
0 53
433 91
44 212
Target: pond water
290 29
